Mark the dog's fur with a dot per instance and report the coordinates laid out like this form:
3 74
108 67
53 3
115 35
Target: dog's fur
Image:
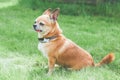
61 50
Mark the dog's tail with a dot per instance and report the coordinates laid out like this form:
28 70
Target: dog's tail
107 59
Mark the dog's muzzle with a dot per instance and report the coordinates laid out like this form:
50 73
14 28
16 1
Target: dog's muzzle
36 28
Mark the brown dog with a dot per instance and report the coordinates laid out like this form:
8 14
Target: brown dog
60 50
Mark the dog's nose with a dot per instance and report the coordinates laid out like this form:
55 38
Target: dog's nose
34 25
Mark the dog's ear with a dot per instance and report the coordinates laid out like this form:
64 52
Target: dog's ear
47 12
54 14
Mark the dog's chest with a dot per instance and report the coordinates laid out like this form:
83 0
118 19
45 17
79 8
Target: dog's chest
42 48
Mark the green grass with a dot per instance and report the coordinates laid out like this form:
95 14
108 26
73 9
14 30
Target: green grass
21 60
105 9
7 3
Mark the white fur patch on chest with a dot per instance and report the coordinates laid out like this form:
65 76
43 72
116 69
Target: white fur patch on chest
41 47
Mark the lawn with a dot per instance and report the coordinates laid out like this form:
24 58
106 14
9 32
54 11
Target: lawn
21 60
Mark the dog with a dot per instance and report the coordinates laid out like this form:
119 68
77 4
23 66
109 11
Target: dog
60 50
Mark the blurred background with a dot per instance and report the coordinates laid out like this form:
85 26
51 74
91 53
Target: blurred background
77 7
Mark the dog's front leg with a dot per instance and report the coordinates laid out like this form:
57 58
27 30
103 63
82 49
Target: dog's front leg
51 64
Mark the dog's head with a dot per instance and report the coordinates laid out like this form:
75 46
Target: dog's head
46 24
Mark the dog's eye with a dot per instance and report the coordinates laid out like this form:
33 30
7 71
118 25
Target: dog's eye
35 22
42 24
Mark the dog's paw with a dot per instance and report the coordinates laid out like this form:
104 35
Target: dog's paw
49 74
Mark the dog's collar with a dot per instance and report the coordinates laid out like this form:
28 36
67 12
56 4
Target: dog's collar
47 39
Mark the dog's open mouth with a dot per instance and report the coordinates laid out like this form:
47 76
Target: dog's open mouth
38 30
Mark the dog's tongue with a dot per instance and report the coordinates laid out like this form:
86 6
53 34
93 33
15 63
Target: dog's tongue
39 30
